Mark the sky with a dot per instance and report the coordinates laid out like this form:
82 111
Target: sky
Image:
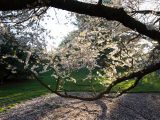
150 5
59 24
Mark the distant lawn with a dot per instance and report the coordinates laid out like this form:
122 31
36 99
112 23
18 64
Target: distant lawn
14 93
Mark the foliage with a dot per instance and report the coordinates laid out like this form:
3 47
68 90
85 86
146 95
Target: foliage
18 60
22 43
24 26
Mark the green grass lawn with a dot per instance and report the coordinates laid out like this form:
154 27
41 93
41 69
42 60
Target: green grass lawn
15 93
12 94
149 84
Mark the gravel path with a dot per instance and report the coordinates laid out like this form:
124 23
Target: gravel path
52 107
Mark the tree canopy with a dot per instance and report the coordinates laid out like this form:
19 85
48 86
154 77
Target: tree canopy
96 38
109 13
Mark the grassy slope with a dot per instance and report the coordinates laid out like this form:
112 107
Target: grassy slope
12 94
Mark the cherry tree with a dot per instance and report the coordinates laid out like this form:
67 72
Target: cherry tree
129 24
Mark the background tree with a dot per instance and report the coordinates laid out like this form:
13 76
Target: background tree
21 48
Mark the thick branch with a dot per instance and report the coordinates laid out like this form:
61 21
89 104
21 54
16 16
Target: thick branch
100 2
140 74
109 13
136 75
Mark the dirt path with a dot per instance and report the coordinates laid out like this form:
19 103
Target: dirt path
52 107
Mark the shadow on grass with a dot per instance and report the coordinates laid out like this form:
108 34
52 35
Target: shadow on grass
16 93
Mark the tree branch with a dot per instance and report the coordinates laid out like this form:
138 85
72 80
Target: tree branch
100 2
136 75
109 13
147 12
130 88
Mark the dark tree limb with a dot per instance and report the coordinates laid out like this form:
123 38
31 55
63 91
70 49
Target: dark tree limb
109 13
99 2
